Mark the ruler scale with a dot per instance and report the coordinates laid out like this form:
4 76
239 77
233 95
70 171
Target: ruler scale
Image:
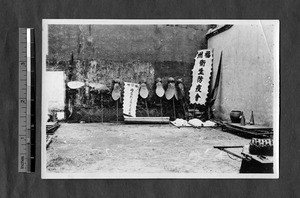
26 154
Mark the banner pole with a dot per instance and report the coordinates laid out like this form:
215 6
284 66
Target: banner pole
101 107
183 106
117 111
161 109
174 107
194 110
147 107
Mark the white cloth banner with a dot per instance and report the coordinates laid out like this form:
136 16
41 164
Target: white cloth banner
131 93
201 76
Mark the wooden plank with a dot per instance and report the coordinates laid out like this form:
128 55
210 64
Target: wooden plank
49 141
254 133
250 127
225 149
147 120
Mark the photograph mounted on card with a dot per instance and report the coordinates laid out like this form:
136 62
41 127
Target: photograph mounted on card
160 99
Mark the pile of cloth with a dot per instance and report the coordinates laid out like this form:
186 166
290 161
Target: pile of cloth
192 123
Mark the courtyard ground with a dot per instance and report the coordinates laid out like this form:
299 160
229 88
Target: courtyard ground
120 148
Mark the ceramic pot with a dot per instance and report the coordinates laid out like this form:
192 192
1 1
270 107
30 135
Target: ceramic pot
235 116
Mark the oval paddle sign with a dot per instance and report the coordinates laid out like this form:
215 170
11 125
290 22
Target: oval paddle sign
159 90
75 84
116 93
170 91
144 91
99 86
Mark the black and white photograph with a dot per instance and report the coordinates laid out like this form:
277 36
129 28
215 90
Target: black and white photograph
160 99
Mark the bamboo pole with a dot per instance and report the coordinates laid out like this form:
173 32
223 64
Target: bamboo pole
184 111
101 107
161 109
174 107
147 107
117 110
194 110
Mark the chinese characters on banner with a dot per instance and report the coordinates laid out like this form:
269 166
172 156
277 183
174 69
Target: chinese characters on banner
131 93
201 76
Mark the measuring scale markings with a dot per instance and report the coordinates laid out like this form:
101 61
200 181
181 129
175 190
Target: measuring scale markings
26 62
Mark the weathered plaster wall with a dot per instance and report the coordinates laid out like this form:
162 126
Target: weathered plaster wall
169 49
151 43
130 53
55 90
247 79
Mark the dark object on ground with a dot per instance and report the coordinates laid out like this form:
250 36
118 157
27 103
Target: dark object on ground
49 140
253 166
51 127
235 116
243 121
250 163
251 122
261 147
248 131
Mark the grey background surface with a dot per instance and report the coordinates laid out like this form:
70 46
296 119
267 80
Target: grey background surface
15 14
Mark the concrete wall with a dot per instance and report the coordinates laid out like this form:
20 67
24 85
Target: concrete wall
247 78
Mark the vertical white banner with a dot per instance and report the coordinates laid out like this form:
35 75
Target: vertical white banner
131 93
201 76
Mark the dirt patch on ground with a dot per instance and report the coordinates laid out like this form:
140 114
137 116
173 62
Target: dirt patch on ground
119 148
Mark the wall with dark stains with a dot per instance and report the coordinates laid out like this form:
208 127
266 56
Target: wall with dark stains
130 53
150 43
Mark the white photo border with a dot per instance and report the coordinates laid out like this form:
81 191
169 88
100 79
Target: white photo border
276 96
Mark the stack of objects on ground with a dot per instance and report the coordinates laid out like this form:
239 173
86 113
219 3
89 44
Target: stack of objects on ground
257 156
51 127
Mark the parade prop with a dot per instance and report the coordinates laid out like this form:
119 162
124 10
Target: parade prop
171 88
100 88
131 93
171 91
144 94
116 94
181 94
160 93
87 91
201 77
75 84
